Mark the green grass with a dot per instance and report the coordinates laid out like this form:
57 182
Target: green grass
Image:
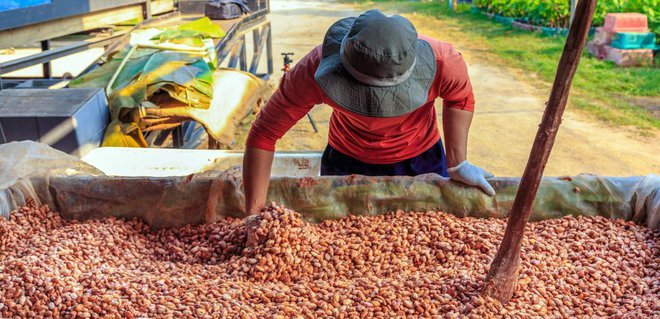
600 88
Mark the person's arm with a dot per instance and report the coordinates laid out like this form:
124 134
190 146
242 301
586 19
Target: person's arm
295 96
256 177
456 125
456 91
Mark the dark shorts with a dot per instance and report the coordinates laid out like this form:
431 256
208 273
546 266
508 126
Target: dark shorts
432 160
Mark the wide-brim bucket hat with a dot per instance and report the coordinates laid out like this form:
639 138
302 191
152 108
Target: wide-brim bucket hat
375 65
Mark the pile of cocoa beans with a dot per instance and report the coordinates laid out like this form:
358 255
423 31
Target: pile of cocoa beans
275 265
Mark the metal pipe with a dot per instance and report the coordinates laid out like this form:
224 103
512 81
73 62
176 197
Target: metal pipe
255 40
238 27
269 49
45 46
258 49
146 10
243 55
235 52
43 57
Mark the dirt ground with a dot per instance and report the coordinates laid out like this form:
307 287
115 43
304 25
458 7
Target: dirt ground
509 107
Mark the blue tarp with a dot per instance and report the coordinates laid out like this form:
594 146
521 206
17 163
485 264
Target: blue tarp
16 4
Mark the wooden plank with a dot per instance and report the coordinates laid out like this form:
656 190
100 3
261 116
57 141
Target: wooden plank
56 28
60 27
58 9
161 6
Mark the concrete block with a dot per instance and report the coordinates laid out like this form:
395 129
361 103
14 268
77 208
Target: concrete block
623 57
596 50
603 37
634 40
70 120
626 22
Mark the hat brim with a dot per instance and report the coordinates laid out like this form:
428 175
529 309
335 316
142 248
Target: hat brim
373 101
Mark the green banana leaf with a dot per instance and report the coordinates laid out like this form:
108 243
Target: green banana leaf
187 37
100 77
97 78
186 77
191 33
191 71
204 26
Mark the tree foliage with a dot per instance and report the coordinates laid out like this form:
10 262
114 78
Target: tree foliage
556 13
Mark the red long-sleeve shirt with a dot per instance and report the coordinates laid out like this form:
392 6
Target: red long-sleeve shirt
368 139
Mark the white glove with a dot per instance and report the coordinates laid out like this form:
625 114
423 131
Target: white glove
472 175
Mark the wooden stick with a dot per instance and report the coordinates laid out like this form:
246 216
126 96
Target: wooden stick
502 277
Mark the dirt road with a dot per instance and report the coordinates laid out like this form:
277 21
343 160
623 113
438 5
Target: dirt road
509 106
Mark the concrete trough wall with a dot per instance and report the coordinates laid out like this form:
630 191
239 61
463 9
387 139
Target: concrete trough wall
176 201
191 187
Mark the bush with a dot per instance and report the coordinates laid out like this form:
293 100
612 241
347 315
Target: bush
556 13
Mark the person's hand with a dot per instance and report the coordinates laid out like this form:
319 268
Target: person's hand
472 175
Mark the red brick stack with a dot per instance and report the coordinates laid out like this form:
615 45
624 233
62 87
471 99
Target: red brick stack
621 24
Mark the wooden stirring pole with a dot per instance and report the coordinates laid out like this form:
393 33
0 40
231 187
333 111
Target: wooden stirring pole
502 277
